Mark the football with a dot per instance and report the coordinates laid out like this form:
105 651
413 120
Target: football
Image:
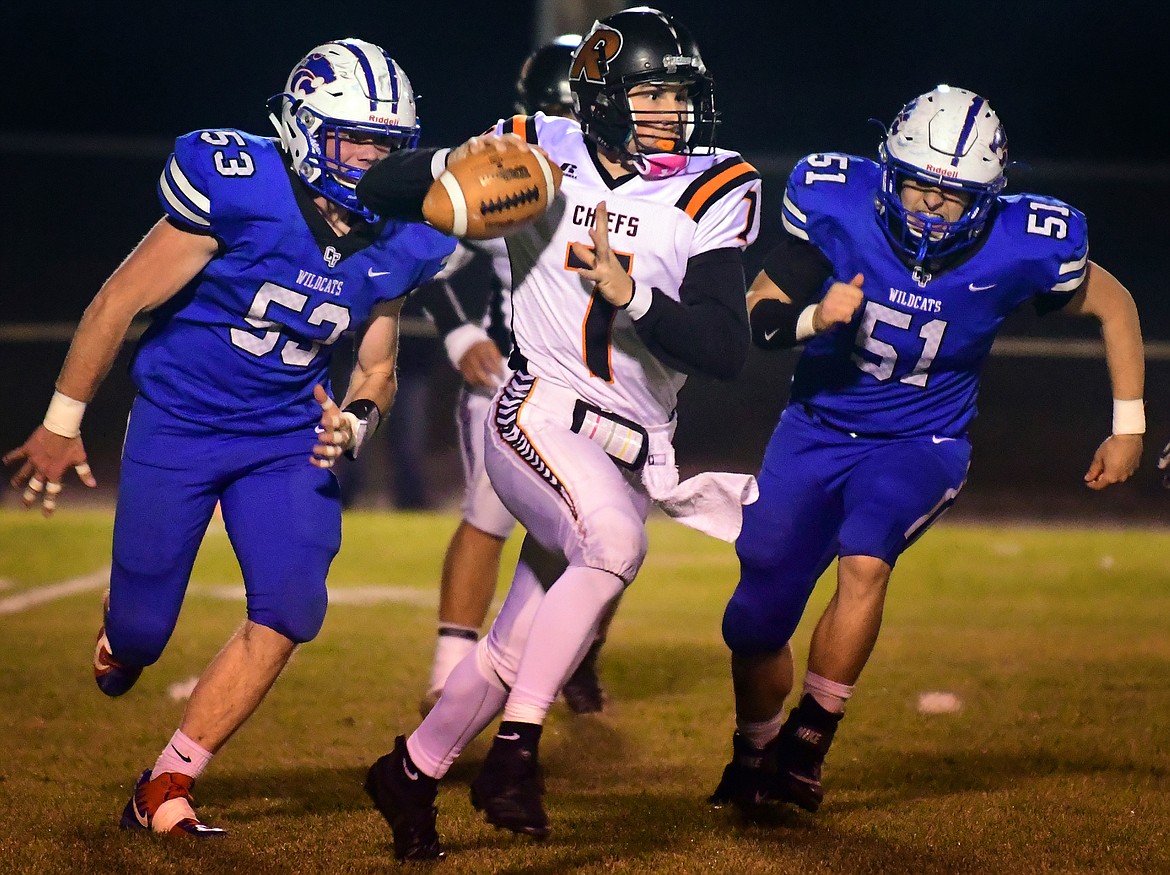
491 193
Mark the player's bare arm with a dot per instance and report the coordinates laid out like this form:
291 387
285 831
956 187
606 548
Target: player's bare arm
604 271
1107 300
372 386
161 265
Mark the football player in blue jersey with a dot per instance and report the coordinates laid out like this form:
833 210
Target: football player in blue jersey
895 275
263 259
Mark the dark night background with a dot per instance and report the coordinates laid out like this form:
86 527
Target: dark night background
94 92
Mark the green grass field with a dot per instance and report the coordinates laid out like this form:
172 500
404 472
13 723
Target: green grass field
1055 640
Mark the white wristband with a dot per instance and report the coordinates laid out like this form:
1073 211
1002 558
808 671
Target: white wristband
804 323
64 415
639 303
1129 417
459 340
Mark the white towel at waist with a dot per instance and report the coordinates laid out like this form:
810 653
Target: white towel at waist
711 502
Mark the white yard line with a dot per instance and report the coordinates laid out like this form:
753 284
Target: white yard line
346 595
341 595
14 604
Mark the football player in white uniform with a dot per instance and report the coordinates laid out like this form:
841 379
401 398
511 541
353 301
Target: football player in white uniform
633 279
479 280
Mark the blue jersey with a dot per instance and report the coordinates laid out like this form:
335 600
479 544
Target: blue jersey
241 347
909 363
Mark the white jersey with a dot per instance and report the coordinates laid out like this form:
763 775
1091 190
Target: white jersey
572 337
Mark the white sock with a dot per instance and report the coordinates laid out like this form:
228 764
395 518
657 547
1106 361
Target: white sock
454 643
182 755
563 628
830 695
471 699
759 733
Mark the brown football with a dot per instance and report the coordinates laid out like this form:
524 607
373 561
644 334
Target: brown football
491 193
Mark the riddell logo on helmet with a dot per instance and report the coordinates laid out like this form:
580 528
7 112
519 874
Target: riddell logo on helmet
943 171
382 119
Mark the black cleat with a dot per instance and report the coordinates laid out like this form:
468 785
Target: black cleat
406 798
745 782
583 691
800 754
509 790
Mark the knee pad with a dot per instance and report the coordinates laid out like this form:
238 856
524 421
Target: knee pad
137 634
297 616
614 541
761 620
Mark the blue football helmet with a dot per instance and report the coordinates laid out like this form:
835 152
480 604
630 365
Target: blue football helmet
950 138
344 89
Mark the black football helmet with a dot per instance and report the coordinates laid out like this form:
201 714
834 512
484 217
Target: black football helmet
543 85
633 47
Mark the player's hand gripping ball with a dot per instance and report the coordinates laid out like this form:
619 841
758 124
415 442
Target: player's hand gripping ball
491 191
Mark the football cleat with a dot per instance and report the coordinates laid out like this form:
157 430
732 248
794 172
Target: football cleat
406 799
164 805
583 691
112 677
745 782
800 754
509 790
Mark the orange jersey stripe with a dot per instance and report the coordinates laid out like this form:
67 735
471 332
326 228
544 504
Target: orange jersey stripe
699 198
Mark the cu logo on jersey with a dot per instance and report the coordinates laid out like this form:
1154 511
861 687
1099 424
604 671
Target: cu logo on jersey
592 59
311 75
332 256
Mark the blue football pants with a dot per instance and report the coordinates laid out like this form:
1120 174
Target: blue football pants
282 515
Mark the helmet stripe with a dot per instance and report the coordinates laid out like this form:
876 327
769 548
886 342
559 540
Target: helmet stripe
968 123
371 80
393 82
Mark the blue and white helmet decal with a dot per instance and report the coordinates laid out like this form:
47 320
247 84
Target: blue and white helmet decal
345 88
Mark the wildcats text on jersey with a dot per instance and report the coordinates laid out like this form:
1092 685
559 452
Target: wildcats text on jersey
319 283
915 302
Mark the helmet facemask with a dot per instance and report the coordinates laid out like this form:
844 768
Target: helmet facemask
926 238
674 136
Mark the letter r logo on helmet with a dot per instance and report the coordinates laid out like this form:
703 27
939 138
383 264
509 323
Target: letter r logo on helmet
591 62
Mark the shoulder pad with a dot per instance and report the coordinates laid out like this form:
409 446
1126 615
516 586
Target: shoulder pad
523 126
713 183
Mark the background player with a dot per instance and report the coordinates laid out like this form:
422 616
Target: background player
263 260
479 280
633 279
899 309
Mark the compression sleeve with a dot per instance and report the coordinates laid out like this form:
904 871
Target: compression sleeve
394 188
706 331
799 268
